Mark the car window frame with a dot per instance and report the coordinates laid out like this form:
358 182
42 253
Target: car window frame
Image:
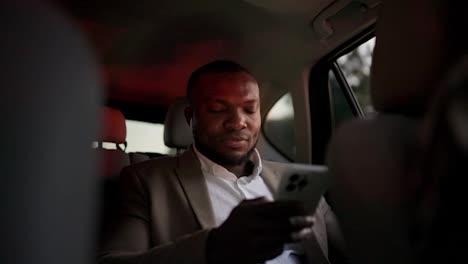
320 100
348 92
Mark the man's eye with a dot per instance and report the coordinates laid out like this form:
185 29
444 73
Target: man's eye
250 110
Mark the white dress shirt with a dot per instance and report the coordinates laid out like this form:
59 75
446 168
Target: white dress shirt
226 191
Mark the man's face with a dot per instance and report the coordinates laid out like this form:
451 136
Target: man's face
226 116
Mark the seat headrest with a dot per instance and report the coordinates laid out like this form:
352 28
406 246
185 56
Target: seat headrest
409 56
177 133
114 129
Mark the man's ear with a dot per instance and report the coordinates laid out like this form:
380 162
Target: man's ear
188 112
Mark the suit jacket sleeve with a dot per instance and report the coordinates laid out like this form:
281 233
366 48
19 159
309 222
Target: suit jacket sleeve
129 240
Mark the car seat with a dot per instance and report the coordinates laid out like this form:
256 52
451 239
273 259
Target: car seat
50 89
111 161
375 162
177 133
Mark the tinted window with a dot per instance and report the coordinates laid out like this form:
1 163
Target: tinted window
356 69
341 109
279 126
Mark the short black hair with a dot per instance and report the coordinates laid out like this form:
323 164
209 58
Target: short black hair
217 66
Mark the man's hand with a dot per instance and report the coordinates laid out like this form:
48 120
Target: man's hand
256 231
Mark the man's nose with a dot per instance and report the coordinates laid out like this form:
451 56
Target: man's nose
236 121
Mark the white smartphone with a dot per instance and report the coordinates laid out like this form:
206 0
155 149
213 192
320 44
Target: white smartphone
303 182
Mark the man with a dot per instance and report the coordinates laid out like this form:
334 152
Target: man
213 203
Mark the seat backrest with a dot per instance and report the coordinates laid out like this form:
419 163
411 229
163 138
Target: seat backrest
136 157
373 187
443 168
177 133
374 191
111 162
50 89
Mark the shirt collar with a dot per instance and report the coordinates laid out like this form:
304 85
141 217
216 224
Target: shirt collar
212 168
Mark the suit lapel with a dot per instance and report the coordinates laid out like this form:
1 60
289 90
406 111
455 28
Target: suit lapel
191 178
270 176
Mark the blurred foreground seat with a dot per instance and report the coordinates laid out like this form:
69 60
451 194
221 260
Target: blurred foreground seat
50 91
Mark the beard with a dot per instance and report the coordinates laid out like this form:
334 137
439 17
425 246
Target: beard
222 159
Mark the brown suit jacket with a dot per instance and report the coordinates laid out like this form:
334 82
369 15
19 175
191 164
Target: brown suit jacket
166 215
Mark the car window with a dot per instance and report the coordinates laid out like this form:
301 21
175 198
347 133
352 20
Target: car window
279 128
355 66
341 108
146 137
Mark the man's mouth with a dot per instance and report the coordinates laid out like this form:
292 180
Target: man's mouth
236 142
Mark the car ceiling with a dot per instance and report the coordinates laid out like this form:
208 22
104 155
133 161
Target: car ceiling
148 49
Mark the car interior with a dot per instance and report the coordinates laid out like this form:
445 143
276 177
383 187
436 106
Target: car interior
94 86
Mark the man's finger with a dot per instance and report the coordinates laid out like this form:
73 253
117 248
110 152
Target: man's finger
301 235
302 220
